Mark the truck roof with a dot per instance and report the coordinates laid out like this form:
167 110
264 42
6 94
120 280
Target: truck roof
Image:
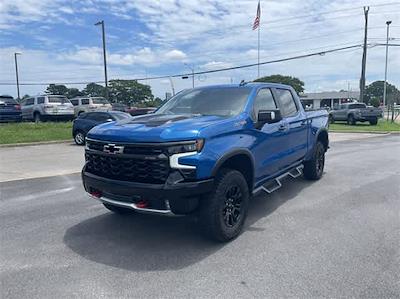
248 84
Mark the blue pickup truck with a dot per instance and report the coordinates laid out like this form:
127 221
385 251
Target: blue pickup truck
206 152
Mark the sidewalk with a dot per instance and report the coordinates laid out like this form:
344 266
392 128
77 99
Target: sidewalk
25 162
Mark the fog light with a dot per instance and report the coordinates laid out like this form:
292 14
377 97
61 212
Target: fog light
142 204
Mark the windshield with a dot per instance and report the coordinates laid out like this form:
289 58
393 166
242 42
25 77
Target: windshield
56 99
99 101
209 101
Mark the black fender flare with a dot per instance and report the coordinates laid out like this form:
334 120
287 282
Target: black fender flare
230 154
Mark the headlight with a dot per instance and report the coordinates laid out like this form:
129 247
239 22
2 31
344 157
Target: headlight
195 146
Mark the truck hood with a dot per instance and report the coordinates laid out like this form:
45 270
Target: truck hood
154 128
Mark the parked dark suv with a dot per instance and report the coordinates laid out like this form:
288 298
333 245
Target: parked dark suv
86 121
10 110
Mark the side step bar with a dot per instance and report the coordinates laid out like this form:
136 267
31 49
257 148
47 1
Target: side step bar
274 184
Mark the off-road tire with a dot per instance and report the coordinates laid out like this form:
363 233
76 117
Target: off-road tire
314 168
351 120
224 210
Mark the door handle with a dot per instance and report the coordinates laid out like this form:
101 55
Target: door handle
303 123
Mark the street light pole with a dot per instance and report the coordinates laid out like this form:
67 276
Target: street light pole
386 61
192 69
16 72
104 54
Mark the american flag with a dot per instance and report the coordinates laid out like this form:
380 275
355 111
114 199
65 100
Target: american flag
257 19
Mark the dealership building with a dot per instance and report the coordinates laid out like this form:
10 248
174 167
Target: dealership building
328 99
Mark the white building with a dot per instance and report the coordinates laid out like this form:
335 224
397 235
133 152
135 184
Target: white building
328 99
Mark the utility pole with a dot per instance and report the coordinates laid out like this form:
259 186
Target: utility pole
364 57
192 69
386 62
104 55
16 72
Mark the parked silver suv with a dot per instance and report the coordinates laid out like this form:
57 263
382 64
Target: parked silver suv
47 107
90 104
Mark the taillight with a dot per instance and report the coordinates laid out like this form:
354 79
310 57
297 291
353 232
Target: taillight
18 107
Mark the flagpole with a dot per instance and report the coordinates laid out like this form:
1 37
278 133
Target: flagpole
258 53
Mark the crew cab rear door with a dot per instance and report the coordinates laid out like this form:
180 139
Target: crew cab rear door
296 120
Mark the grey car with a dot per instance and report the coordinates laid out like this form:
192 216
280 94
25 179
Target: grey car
353 112
47 107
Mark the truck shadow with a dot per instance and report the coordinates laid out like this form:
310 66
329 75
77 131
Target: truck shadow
153 243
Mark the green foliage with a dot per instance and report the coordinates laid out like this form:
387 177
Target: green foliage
57 89
374 92
73 92
94 90
374 102
296 83
130 92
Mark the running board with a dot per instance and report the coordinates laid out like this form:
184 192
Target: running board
274 184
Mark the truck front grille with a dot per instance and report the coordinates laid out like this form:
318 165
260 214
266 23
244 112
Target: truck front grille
125 168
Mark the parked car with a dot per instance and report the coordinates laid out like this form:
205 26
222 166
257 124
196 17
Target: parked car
90 104
47 107
140 111
353 112
206 151
88 120
119 107
10 110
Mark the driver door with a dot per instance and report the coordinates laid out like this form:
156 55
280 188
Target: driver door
270 145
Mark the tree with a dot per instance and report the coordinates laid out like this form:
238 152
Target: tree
296 83
56 89
130 92
94 90
374 92
73 92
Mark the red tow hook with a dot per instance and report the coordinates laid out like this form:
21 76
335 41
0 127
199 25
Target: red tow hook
96 193
142 204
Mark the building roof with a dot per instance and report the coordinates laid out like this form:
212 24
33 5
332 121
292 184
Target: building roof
330 95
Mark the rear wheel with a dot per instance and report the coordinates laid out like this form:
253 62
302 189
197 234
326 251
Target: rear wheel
314 168
351 120
117 210
373 122
223 212
79 138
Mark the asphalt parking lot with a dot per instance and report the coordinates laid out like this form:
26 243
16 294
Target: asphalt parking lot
337 237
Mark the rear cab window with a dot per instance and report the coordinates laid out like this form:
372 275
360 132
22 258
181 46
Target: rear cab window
286 102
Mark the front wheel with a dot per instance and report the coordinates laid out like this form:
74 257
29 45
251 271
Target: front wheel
223 212
79 138
351 120
373 122
314 168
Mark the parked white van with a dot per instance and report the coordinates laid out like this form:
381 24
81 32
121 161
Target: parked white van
90 104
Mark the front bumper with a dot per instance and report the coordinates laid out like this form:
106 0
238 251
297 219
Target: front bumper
167 198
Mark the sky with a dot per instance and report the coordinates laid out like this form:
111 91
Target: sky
59 42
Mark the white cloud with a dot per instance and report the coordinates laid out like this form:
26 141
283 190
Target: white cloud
175 55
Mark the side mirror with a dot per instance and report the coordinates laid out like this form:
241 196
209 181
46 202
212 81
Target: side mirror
268 117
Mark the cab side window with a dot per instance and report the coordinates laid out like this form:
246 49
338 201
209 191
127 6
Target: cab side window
286 102
85 101
29 102
75 102
263 101
40 100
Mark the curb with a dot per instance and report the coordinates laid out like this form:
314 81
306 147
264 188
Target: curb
36 143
